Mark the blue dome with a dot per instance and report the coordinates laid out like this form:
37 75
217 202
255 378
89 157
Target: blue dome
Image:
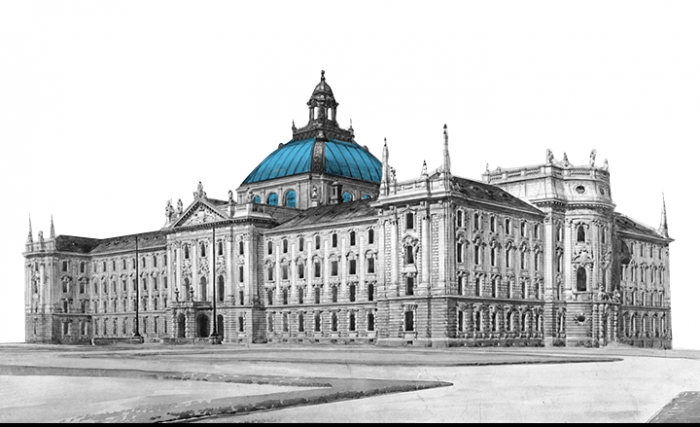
346 159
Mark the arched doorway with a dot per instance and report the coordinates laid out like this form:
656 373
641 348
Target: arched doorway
203 325
181 326
220 326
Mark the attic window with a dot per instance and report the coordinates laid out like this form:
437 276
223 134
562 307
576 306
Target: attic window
580 189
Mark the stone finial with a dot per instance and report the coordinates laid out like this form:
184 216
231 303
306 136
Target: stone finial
565 161
323 76
52 230
663 227
41 237
294 126
30 238
230 197
385 163
445 153
605 165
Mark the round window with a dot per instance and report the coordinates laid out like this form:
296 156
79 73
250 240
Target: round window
602 191
580 189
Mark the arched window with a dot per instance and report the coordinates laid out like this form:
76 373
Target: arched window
537 231
409 221
477 251
366 197
291 199
257 199
300 270
493 256
203 288
347 197
477 321
460 321
559 233
581 234
477 286
334 322
220 288
370 322
317 322
509 254
581 285
272 199
318 242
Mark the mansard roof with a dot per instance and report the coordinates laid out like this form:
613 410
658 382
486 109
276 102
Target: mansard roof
636 229
481 192
147 240
359 209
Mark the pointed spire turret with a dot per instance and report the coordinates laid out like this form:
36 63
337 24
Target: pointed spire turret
385 162
30 238
663 227
52 232
445 153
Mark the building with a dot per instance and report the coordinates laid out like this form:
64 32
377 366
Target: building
324 246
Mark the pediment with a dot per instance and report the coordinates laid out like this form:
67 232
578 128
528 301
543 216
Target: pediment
198 213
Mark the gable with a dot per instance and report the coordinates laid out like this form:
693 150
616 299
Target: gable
199 212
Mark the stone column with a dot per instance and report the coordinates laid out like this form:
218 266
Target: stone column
425 249
343 260
326 272
230 275
394 256
568 248
362 267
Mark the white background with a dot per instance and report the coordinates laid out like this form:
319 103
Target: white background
109 109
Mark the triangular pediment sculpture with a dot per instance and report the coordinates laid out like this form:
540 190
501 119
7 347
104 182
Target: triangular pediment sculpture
200 212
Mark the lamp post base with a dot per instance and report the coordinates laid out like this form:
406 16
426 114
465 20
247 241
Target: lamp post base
214 339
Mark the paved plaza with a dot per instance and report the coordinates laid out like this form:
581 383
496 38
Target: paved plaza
149 383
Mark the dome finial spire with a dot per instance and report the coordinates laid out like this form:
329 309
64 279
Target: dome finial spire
323 76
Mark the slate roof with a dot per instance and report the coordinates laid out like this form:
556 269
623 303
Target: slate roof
627 224
86 245
358 209
480 192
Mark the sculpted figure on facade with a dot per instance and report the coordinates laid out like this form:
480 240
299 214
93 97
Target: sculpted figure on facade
179 207
169 211
550 157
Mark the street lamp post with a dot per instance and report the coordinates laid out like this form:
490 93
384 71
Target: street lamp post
214 337
136 281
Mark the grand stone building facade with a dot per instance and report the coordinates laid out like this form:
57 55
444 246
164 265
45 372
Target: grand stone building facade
323 245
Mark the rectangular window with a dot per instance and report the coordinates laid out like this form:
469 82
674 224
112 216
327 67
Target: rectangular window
352 290
301 296
409 285
65 268
370 237
409 221
370 292
408 321
300 271
352 266
477 286
317 295
352 238
334 268
352 326
285 272
240 274
241 299
241 326
508 228
301 244
317 269
334 293
240 248
370 265
370 322
334 240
